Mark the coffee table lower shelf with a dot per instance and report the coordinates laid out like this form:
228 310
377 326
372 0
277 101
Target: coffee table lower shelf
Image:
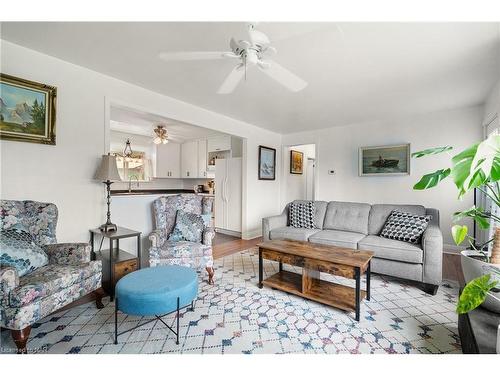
331 294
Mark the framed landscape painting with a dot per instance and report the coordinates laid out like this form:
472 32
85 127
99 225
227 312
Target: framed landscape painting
384 160
267 163
296 162
27 111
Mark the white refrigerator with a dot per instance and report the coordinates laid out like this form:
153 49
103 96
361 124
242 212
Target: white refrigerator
228 196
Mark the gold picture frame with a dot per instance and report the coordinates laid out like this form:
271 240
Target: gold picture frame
296 162
28 110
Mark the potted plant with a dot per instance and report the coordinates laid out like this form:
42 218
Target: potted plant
477 167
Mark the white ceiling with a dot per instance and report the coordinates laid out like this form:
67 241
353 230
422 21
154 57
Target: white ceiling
365 72
126 120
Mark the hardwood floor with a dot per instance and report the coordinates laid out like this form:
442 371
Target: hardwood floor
224 245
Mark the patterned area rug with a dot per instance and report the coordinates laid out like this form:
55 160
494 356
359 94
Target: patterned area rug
234 316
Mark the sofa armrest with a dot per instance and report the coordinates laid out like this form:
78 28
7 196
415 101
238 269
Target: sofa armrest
273 222
9 279
432 245
157 238
68 253
208 236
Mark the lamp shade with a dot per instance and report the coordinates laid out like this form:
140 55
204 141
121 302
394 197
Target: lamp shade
107 170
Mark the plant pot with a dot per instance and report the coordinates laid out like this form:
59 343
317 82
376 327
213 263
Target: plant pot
473 267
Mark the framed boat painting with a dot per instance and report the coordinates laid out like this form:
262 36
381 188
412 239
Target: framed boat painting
267 163
384 160
27 111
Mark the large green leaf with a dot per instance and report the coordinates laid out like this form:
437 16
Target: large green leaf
477 165
474 293
459 233
477 213
431 151
432 179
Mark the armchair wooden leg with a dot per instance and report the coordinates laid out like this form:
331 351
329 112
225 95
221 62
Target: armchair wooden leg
210 272
20 337
99 293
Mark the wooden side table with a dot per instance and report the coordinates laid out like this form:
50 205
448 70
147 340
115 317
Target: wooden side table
116 263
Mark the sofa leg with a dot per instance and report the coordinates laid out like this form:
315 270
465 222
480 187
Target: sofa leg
99 293
20 337
430 288
210 272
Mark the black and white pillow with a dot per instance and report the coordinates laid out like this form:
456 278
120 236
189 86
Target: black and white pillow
301 214
403 226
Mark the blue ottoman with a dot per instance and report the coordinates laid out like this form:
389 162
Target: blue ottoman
156 291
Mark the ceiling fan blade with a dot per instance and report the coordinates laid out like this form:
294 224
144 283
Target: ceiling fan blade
232 80
283 76
191 56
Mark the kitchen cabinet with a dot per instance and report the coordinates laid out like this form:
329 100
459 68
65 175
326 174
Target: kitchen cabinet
220 143
168 160
202 158
189 160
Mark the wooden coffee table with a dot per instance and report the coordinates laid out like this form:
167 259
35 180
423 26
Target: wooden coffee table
316 258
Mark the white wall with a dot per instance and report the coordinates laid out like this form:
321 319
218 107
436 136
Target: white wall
492 104
294 185
337 148
63 173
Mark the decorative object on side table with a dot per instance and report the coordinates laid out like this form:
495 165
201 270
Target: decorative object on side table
384 160
296 162
108 173
477 167
116 263
267 163
28 111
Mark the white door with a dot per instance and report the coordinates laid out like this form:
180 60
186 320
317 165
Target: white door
189 160
310 169
168 160
233 195
202 158
220 203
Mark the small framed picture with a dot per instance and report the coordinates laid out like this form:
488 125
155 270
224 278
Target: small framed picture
296 162
27 111
384 160
267 163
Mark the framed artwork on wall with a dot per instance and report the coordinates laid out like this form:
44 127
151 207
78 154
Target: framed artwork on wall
384 160
296 162
267 163
27 110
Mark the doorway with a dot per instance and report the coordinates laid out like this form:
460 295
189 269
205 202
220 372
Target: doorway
299 172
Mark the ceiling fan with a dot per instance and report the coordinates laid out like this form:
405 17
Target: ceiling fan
253 52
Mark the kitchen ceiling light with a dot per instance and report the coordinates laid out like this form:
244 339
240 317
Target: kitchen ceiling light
161 135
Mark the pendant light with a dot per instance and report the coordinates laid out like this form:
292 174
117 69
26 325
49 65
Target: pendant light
127 151
161 135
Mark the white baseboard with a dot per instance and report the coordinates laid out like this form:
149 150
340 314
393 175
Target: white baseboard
228 232
250 235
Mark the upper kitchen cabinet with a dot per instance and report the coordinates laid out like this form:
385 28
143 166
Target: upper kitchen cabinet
189 160
220 143
168 160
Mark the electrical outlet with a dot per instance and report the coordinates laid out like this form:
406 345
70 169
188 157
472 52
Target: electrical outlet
331 171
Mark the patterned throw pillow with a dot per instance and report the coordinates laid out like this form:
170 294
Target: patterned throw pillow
18 250
301 214
189 227
406 227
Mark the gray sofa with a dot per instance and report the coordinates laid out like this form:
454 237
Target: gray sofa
358 225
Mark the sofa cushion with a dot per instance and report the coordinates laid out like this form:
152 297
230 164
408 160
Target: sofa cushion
380 212
18 250
320 209
347 216
291 233
337 238
301 214
391 249
406 227
50 279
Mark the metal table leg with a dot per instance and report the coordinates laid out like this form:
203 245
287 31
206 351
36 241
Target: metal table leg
111 278
358 291
260 269
178 307
368 277
139 250
116 322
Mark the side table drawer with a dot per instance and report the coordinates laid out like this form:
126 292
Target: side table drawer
123 268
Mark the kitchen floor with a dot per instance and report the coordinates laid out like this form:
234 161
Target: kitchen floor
224 245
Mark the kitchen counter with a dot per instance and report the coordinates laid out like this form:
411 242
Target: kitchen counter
155 192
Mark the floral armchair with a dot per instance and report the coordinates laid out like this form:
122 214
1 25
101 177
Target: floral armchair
165 251
69 275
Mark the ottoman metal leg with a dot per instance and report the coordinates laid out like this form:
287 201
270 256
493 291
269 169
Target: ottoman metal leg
192 305
116 321
178 307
